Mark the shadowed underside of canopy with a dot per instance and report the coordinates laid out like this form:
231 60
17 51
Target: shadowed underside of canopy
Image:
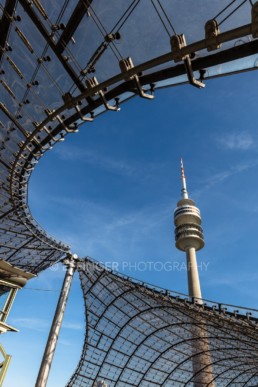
65 62
137 335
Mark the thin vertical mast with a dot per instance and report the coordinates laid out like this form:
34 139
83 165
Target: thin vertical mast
47 359
184 189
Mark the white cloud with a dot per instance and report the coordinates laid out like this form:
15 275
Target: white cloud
106 162
104 231
37 324
73 325
66 343
73 153
220 177
30 323
237 141
233 280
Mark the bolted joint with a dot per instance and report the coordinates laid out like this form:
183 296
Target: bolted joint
93 82
177 43
111 37
68 100
57 27
73 129
82 117
70 261
211 33
127 67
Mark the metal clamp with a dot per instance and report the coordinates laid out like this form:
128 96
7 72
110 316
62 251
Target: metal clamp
190 74
178 42
82 117
211 33
126 65
93 82
68 130
47 130
68 100
49 113
55 139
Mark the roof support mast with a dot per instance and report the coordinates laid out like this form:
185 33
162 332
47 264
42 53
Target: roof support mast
47 359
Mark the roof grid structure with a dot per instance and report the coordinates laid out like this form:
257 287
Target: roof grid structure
137 335
63 63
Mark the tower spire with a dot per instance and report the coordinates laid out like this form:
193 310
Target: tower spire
184 189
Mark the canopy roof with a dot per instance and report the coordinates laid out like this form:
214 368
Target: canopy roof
137 335
62 64
65 62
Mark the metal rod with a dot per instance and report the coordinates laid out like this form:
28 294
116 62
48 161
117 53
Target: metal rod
4 364
56 324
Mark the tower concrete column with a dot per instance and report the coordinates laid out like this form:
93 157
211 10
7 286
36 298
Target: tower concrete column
194 287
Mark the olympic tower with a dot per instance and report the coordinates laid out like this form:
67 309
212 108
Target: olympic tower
189 236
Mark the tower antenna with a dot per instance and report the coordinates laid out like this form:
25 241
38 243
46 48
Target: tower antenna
184 189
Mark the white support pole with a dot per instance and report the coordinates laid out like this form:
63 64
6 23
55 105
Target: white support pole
56 324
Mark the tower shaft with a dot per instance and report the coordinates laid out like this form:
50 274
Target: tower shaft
194 287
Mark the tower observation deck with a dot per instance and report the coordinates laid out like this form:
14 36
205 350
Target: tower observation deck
189 235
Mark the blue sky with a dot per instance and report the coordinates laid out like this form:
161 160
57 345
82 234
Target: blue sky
110 192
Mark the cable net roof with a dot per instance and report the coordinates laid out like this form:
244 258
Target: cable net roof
137 335
65 62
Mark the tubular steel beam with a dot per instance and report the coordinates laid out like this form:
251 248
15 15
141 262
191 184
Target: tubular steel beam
33 16
4 364
72 25
56 324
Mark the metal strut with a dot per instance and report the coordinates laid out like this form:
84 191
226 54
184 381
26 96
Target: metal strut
127 66
93 82
177 43
47 359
